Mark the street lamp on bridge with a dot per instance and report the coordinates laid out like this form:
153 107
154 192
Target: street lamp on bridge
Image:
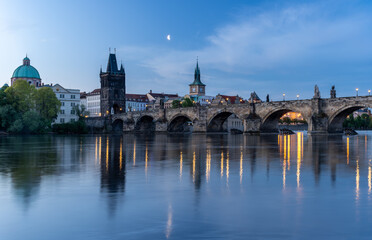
369 92
283 96
298 96
357 89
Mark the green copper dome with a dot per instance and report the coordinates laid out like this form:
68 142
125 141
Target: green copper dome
26 70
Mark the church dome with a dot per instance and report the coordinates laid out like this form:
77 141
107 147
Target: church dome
26 70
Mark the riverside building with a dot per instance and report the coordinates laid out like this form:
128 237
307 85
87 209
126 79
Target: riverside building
69 98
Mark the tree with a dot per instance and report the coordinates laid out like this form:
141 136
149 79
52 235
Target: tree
187 102
286 120
32 122
21 96
176 104
47 104
8 115
3 95
80 111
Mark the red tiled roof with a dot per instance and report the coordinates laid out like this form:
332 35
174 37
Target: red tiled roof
232 99
136 97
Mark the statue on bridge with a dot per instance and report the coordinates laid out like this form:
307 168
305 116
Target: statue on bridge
267 98
333 92
316 92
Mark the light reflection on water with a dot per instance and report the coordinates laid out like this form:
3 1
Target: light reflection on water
185 187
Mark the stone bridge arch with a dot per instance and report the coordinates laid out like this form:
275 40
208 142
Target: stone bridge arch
270 120
180 123
336 120
215 122
145 123
118 125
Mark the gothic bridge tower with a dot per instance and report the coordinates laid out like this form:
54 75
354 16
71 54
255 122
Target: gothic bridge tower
112 88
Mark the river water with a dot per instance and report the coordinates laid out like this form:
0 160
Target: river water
186 187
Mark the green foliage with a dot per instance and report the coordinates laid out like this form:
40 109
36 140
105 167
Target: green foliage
25 109
72 127
80 111
47 104
7 116
21 96
287 120
187 102
16 126
176 104
32 122
360 122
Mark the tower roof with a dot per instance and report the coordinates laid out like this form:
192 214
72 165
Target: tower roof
112 66
197 76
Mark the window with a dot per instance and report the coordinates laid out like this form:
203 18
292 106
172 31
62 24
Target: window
62 120
62 111
72 104
61 95
62 103
72 111
72 96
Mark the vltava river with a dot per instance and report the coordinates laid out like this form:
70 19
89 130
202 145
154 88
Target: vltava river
186 187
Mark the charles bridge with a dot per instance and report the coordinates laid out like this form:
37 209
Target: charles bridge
323 115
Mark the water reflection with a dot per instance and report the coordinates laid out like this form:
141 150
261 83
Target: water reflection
113 167
113 171
33 163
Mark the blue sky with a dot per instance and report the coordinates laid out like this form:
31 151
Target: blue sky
270 47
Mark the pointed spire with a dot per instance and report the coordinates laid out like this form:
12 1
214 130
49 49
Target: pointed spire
100 70
122 68
197 75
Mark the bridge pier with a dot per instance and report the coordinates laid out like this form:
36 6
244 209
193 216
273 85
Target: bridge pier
318 124
161 126
252 125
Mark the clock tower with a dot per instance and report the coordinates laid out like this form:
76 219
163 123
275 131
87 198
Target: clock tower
197 88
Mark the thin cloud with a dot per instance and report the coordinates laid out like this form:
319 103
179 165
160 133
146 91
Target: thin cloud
305 37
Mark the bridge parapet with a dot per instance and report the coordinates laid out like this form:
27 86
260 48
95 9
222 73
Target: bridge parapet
322 114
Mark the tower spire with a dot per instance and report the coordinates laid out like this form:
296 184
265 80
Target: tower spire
121 67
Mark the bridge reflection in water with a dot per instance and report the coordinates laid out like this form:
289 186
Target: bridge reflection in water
152 173
232 153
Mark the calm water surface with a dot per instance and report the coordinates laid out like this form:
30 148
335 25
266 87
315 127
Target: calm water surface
186 187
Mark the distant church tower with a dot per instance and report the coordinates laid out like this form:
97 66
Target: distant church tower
197 88
112 88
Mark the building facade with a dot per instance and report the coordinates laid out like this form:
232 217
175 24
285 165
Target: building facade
234 123
69 98
26 72
136 102
160 100
93 101
112 94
